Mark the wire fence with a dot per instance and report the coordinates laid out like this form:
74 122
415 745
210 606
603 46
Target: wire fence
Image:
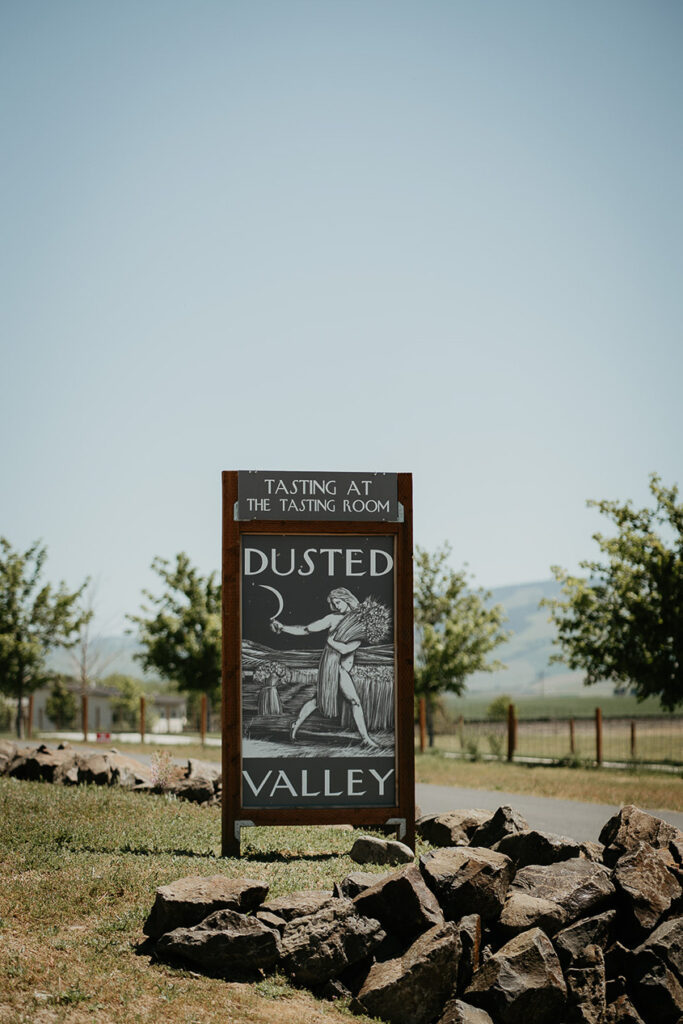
623 742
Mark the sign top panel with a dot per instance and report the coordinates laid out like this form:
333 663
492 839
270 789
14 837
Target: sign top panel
350 497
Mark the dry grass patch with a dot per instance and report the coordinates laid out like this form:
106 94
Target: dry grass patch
648 789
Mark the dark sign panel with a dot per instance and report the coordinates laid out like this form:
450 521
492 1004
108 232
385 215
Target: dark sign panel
350 497
318 664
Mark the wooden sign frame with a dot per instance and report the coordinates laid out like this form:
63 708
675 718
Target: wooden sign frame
234 816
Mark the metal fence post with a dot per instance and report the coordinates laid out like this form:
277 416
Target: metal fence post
572 736
142 719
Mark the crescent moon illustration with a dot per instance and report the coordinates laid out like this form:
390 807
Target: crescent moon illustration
278 596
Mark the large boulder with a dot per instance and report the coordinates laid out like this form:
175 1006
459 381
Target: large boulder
469 944
657 972
298 904
412 988
586 987
505 822
533 847
577 886
8 751
468 880
454 828
456 1011
320 946
95 769
225 941
523 911
522 982
597 930
41 763
402 902
187 901
370 850
357 882
631 826
646 887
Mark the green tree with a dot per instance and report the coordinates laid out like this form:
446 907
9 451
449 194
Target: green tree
497 711
455 629
126 705
61 704
34 618
181 631
624 620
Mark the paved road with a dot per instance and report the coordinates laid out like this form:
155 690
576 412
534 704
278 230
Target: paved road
566 817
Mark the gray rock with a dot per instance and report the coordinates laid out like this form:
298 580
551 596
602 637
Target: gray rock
224 941
571 941
298 904
357 882
468 880
631 826
412 988
271 920
41 763
533 847
646 887
666 944
656 973
319 946
622 1011
202 770
458 1012
469 942
369 850
593 851
127 771
578 886
94 769
454 828
8 751
523 911
187 901
656 990
403 904
197 789
522 982
586 987
505 822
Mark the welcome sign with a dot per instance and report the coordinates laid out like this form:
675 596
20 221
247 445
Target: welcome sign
318 706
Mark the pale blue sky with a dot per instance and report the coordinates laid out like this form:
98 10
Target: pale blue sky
438 237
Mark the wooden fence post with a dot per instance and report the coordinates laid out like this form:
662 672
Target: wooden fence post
512 731
202 719
422 709
29 724
142 719
572 737
598 736
633 738
84 716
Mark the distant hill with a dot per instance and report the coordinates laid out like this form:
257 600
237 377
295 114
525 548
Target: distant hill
526 654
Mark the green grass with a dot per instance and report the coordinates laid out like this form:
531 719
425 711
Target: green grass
78 871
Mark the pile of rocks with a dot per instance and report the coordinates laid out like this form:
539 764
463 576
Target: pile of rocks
64 765
499 924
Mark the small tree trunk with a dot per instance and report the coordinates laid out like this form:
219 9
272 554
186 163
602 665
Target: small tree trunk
20 708
430 722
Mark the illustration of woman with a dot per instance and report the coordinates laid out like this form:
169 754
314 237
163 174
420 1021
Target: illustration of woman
334 671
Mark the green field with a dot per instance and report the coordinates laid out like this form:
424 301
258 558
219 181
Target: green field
559 706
